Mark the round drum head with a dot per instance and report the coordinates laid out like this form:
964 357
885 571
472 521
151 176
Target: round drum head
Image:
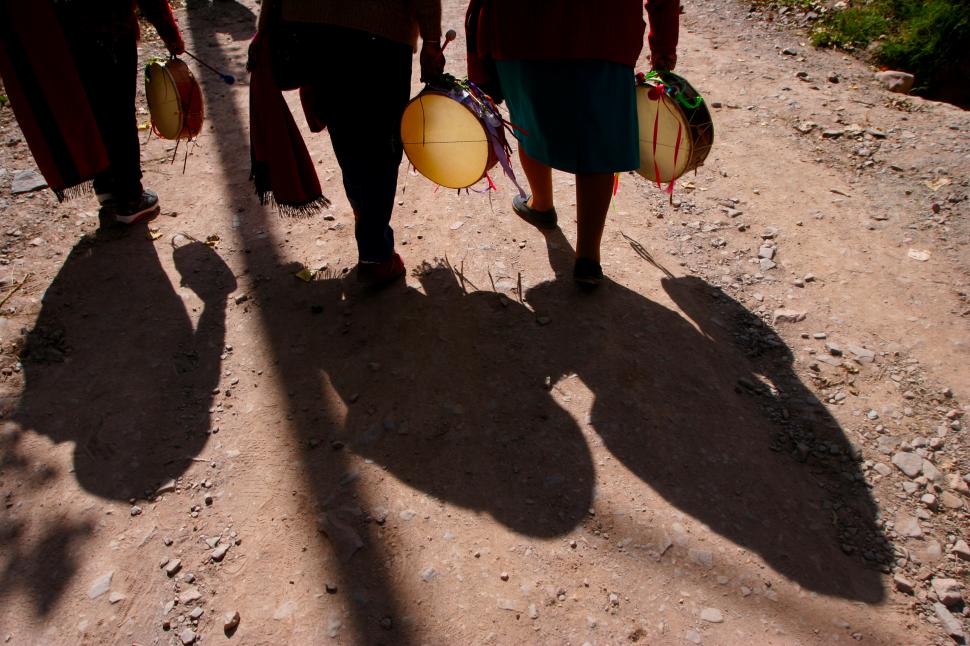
663 157
444 140
164 105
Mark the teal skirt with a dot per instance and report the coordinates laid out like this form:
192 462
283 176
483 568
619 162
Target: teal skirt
578 116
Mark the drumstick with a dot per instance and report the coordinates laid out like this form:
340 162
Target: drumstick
450 35
228 78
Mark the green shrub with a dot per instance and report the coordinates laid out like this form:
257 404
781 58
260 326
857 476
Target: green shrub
928 38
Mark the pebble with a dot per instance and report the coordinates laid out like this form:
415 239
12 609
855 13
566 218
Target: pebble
693 637
100 585
173 566
712 615
26 181
533 611
231 622
136 510
951 624
213 542
187 636
704 558
951 500
909 463
115 597
196 613
908 526
962 550
504 576
219 553
903 584
929 500
931 472
428 574
330 587
407 514
190 595
784 315
947 591
899 82
166 487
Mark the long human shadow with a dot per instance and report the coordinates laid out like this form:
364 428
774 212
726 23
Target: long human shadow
448 390
715 420
115 366
362 571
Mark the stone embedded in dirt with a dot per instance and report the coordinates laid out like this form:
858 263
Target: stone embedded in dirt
784 315
100 585
918 255
929 500
173 566
909 463
166 487
189 578
190 595
947 591
187 636
882 468
951 500
957 484
832 134
712 615
231 622
788 51
766 252
428 574
903 584
115 597
219 553
26 181
862 355
693 637
962 550
504 576
899 82
952 625
507 604
407 514
196 613
136 510
213 541
704 558
533 611
930 471
908 526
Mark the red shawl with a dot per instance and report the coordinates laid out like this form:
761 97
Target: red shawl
48 98
281 165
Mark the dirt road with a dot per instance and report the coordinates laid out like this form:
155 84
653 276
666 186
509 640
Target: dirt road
710 449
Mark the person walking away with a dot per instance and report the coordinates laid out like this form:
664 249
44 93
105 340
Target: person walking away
566 70
352 61
70 69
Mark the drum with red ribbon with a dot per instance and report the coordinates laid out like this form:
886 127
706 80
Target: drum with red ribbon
676 131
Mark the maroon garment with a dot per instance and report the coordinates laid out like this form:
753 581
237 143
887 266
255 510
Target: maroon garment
117 17
575 29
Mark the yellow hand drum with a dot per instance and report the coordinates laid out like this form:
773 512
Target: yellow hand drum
676 131
174 100
446 140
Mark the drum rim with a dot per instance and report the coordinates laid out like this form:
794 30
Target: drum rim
490 158
704 131
182 125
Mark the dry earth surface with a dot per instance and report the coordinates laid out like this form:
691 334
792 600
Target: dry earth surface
752 434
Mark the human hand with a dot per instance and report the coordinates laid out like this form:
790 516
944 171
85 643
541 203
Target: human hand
175 45
432 61
663 62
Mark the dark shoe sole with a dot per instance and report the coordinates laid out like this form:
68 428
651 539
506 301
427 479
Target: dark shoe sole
539 219
587 273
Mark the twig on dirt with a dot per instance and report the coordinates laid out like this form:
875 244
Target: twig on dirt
871 105
643 253
492 280
15 290
206 460
519 287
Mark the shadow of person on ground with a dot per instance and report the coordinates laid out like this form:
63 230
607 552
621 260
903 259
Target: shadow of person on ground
448 391
115 366
690 411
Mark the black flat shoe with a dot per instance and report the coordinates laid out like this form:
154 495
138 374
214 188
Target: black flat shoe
587 273
538 219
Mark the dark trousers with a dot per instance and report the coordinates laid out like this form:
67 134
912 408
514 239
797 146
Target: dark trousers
363 84
107 66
